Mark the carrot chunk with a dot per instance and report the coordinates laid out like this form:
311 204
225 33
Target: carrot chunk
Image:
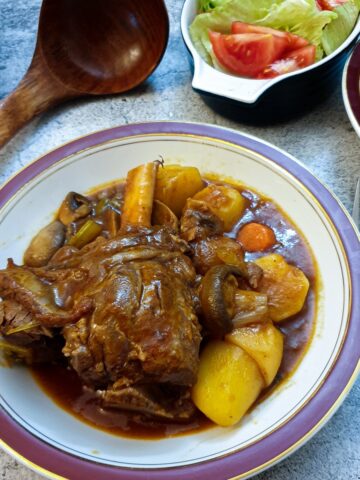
256 237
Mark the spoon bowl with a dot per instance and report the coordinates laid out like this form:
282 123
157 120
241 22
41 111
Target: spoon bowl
87 47
102 47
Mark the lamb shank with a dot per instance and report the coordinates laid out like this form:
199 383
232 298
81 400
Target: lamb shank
126 308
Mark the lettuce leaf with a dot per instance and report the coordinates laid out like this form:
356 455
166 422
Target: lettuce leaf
220 19
337 31
301 17
208 5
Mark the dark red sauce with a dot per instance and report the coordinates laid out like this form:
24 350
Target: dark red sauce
65 388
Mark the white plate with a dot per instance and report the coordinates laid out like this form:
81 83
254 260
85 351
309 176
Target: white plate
66 447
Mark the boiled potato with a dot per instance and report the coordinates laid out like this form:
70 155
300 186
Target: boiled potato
175 184
229 381
264 343
285 285
226 202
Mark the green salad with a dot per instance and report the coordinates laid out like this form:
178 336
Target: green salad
322 26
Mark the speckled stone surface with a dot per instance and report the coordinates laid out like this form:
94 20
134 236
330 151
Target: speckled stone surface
323 139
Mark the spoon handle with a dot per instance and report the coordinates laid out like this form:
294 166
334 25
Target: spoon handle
36 92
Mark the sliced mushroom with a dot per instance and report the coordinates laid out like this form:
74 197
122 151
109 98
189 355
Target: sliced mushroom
45 244
163 215
74 206
250 307
217 297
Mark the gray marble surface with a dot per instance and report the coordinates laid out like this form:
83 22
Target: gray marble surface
323 140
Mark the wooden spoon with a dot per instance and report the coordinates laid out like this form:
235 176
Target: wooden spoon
87 47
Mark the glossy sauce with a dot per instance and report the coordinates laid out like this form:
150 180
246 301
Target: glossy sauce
65 388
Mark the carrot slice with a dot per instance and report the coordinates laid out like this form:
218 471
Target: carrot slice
256 237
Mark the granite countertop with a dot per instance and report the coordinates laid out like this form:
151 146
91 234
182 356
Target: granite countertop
322 139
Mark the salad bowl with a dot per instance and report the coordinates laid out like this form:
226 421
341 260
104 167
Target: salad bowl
37 432
350 88
264 100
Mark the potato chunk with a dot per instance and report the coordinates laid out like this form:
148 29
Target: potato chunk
229 381
226 202
285 285
175 184
264 343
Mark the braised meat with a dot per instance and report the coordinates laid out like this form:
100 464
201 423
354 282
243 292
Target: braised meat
31 343
126 305
38 296
143 323
164 402
199 221
13 318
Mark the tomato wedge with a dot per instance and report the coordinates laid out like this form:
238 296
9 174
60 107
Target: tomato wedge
280 67
245 54
330 4
291 41
303 56
295 60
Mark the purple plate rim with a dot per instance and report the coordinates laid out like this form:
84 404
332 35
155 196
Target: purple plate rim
48 460
351 85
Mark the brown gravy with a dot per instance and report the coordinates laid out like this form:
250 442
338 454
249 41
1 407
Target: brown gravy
66 390
64 387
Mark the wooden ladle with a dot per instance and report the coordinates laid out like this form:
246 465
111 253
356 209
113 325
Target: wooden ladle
87 47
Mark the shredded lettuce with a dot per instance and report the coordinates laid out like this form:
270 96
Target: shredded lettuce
338 30
301 17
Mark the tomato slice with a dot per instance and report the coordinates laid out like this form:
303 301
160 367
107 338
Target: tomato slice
295 60
245 54
280 67
291 41
330 4
304 56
